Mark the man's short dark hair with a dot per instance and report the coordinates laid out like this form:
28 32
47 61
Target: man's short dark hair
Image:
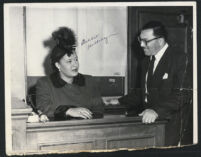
158 28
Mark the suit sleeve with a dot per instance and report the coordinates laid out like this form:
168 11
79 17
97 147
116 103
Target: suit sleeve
132 101
173 103
96 100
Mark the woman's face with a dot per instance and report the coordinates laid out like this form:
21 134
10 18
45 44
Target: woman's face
68 66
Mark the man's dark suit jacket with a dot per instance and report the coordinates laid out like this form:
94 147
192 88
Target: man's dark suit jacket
165 95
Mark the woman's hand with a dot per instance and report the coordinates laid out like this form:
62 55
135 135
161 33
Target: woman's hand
44 118
79 112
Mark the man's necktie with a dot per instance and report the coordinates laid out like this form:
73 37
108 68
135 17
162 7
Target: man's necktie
150 72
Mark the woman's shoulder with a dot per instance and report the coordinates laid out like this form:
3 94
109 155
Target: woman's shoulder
43 80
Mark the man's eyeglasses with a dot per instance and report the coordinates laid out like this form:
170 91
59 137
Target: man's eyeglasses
146 41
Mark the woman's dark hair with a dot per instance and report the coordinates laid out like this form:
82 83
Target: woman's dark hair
158 28
65 44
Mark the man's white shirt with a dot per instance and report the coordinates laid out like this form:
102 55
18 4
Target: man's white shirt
158 57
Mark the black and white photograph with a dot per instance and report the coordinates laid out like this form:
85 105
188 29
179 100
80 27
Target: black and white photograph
98 77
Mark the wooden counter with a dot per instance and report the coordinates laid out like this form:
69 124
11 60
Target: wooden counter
111 132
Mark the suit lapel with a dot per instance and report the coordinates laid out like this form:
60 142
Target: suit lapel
143 75
144 71
160 69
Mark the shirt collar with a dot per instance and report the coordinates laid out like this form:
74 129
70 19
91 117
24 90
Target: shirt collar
58 82
161 52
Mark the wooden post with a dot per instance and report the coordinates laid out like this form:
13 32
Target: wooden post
20 112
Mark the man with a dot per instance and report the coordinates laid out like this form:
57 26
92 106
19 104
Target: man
162 76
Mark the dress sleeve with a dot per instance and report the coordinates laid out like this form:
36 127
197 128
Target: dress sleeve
45 103
60 112
43 97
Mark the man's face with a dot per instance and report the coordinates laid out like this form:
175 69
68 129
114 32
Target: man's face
150 47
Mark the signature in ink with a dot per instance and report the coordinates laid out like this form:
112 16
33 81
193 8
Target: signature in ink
96 40
85 41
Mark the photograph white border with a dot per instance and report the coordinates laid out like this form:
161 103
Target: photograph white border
7 69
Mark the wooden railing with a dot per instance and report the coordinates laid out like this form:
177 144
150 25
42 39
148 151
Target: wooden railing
110 132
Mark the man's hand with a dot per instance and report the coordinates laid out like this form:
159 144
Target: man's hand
79 112
148 116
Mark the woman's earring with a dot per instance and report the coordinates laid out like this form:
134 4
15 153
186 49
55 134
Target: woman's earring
57 66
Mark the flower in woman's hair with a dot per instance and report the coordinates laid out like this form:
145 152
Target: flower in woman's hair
64 37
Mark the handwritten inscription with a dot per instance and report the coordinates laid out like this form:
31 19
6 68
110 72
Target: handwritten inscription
85 41
96 39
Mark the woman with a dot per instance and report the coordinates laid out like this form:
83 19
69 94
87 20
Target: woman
66 93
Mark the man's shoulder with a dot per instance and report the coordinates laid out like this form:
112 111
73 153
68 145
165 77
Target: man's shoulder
176 57
175 52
